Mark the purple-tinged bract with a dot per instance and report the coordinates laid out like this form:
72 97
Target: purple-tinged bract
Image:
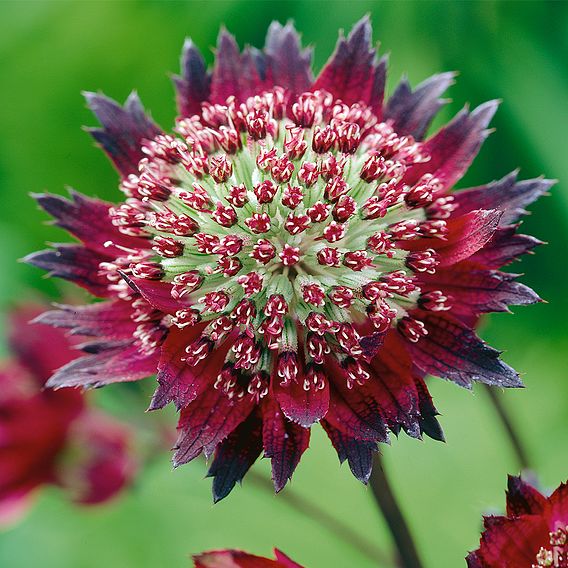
292 253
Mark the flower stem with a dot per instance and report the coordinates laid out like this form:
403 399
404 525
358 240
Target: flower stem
386 500
514 438
334 525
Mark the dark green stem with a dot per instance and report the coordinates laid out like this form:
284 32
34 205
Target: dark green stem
334 525
518 447
394 518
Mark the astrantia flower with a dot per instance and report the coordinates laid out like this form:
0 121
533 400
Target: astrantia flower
291 254
239 559
53 437
534 533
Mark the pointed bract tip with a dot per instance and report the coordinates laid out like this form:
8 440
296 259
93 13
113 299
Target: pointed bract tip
188 44
225 36
362 27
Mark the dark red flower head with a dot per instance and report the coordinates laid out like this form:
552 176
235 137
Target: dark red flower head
51 436
534 533
239 559
291 254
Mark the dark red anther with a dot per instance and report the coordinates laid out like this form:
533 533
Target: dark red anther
313 294
318 323
266 158
186 283
148 270
258 223
335 188
289 255
398 283
354 372
295 147
258 386
220 168
154 187
225 215
342 296
412 329
229 139
247 352
373 169
344 208
276 99
230 245
329 257
129 186
237 196
265 191
216 301
257 124
305 109
296 224
196 164
375 207
163 147
422 194
227 381
435 301
287 367
214 115
197 199
308 173
219 328
318 212
334 232
251 283
357 260
390 191
229 265
405 230
375 291
323 139
205 243
357 112
435 228
423 261
348 136
315 377
282 169
130 217
263 251
293 196
272 328
198 350
276 304
332 167
236 113
186 318
381 315
348 339
381 243
442 207
244 312
318 347
196 135
167 247
179 225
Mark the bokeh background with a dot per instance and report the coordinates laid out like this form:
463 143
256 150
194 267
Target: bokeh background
515 51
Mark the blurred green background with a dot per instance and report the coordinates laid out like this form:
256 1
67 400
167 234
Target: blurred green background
515 51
